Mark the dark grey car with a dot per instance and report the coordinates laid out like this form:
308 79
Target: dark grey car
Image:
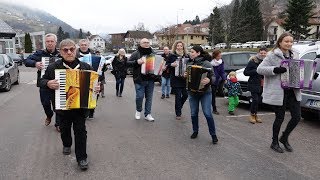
9 72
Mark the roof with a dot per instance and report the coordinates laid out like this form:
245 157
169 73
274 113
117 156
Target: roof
139 34
94 36
6 30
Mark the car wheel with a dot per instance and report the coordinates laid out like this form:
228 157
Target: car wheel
306 115
7 84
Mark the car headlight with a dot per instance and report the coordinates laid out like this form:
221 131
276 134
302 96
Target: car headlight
1 73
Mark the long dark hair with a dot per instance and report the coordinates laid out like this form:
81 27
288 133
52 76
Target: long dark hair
280 39
203 53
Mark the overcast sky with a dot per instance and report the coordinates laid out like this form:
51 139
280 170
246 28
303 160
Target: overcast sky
113 16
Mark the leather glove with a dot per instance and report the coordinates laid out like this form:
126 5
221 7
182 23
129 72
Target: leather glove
315 76
279 70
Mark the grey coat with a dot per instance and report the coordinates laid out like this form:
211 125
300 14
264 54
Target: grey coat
272 91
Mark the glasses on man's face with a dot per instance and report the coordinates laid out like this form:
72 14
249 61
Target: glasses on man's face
145 42
66 50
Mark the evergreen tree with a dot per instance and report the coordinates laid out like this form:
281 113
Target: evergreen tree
211 25
218 32
299 12
234 24
66 35
254 19
60 34
197 20
80 34
27 43
242 34
88 34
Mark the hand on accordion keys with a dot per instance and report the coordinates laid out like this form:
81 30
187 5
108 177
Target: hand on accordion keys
174 64
141 60
39 65
279 70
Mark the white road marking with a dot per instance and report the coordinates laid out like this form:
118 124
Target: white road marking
248 115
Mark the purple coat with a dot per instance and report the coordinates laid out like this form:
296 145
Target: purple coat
219 73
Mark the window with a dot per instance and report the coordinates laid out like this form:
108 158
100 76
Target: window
226 59
182 37
162 38
240 59
310 55
202 37
191 37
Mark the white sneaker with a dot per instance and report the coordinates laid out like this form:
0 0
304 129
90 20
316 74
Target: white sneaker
137 116
149 118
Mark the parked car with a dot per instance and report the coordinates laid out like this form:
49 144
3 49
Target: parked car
305 51
247 45
9 72
258 44
17 58
236 45
220 46
232 62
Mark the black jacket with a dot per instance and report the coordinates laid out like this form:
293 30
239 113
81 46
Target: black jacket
132 62
37 57
50 74
119 67
166 72
254 82
174 80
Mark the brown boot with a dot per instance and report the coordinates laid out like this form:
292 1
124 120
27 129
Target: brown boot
252 118
258 120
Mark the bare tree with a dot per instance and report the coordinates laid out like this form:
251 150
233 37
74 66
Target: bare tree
167 35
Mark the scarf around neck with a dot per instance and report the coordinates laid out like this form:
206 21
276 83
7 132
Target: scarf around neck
215 62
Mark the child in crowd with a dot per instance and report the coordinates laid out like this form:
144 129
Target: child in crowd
234 90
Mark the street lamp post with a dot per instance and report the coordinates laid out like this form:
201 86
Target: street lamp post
178 23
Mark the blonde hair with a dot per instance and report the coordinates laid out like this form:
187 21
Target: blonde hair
121 51
233 73
174 47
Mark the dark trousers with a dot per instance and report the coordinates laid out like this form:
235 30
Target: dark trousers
214 89
255 102
45 97
180 98
295 111
119 85
77 118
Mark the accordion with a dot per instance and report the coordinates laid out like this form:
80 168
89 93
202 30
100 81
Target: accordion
159 68
45 62
148 66
97 62
75 89
182 66
299 73
195 74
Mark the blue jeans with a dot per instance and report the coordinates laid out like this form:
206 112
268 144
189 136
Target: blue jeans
165 85
45 97
119 85
144 89
180 98
205 100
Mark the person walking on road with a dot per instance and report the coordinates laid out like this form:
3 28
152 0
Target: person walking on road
201 58
278 97
218 68
119 66
74 117
165 77
144 84
178 83
255 83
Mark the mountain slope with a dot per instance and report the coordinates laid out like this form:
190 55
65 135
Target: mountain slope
23 19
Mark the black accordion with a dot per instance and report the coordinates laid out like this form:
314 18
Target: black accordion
195 74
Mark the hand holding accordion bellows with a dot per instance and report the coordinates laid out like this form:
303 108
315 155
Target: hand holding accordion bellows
279 70
174 64
140 61
205 81
39 65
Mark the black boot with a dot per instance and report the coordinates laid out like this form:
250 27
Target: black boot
275 146
194 135
284 141
214 139
117 93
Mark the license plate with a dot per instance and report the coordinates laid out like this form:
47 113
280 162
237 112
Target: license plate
314 103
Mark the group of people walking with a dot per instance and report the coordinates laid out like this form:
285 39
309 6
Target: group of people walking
264 71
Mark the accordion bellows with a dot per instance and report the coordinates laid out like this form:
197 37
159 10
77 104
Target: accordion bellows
75 89
195 74
299 73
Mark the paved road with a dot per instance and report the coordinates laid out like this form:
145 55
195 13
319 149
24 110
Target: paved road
120 147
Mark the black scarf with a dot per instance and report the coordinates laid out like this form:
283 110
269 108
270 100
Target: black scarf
144 51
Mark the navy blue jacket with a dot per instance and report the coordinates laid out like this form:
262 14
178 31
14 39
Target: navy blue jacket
37 56
254 82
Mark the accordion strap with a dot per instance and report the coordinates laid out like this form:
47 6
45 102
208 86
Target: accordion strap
68 67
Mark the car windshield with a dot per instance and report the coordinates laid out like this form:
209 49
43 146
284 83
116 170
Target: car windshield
13 55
